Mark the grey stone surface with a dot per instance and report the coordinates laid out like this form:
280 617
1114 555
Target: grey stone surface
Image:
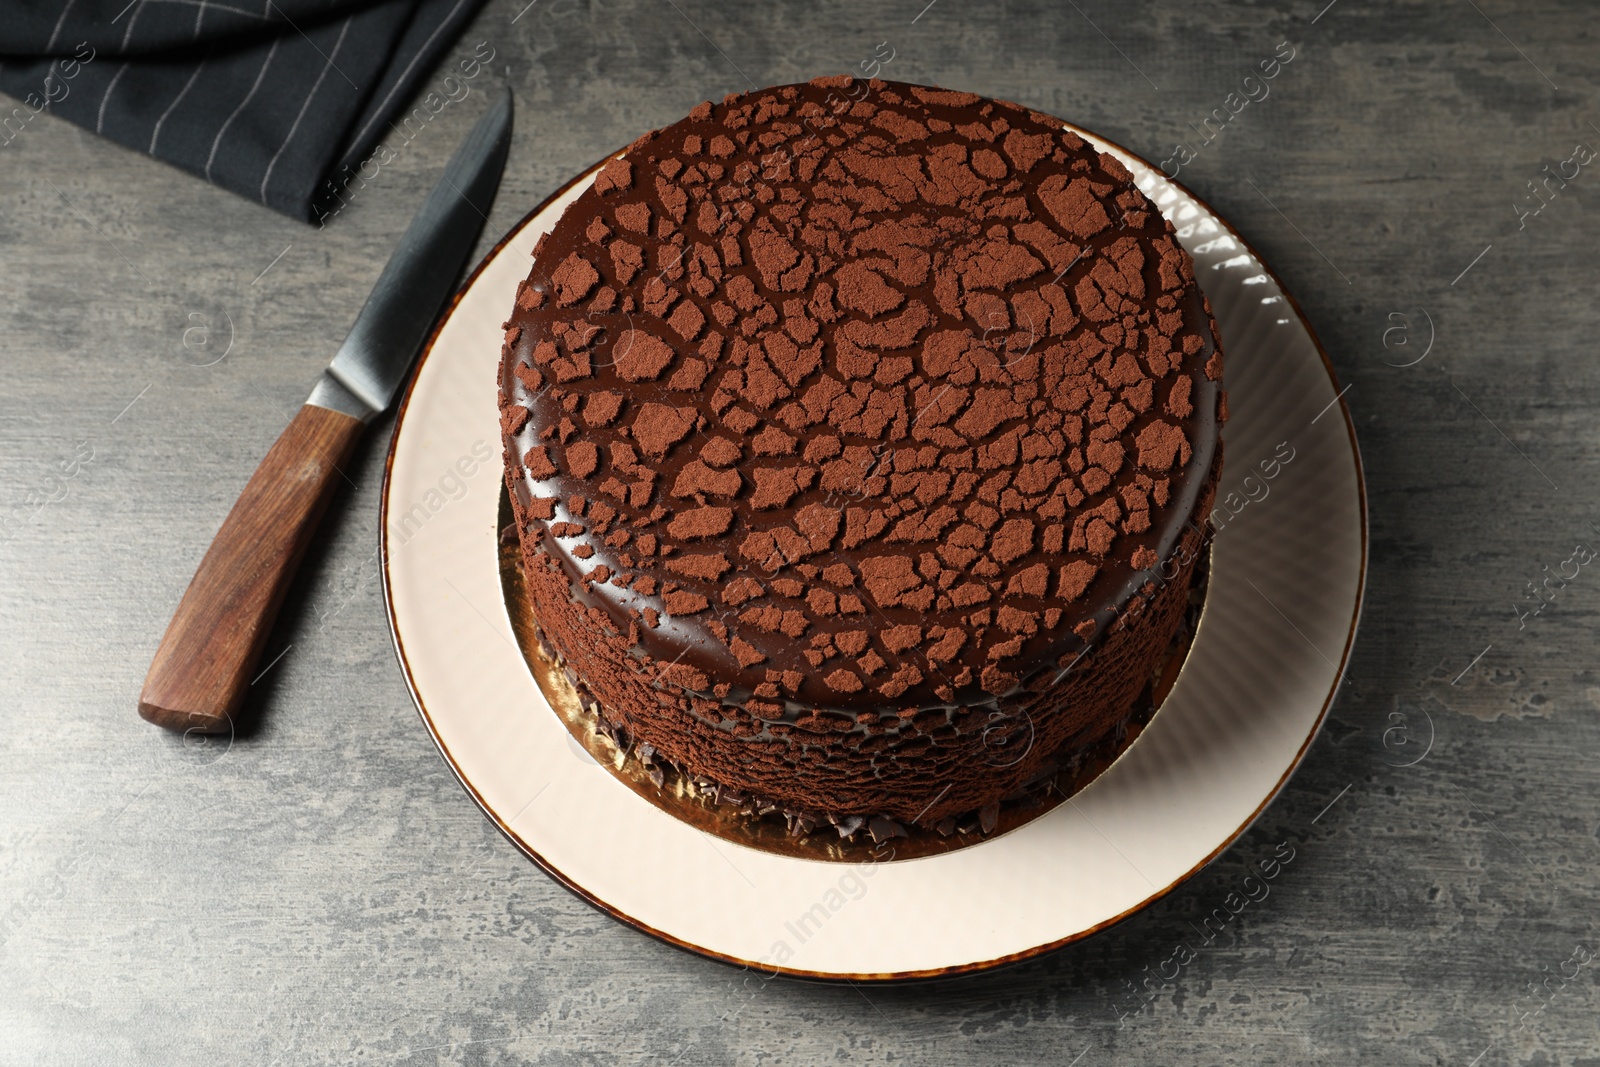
321 891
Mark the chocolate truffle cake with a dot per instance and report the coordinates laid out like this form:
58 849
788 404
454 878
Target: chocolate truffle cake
853 428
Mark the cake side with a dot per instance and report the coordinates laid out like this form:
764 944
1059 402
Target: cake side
835 433
924 767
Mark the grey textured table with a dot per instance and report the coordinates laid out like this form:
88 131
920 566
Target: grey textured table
322 891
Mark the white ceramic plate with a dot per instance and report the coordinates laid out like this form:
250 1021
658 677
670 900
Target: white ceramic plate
1286 586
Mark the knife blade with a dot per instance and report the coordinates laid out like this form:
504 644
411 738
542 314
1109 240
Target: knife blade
205 661
376 356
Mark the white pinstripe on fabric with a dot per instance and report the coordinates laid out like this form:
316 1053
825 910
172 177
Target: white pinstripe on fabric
51 73
100 119
127 34
100 116
210 5
384 103
60 21
313 44
155 134
323 73
212 156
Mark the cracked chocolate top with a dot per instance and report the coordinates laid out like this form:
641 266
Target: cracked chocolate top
887 402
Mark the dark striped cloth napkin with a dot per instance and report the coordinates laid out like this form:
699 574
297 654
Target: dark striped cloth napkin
282 101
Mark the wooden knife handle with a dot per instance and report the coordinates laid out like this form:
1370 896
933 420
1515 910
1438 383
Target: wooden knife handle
206 659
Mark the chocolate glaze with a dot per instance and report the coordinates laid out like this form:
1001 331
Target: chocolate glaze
845 402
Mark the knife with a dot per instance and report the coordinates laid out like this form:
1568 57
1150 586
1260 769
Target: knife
205 661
